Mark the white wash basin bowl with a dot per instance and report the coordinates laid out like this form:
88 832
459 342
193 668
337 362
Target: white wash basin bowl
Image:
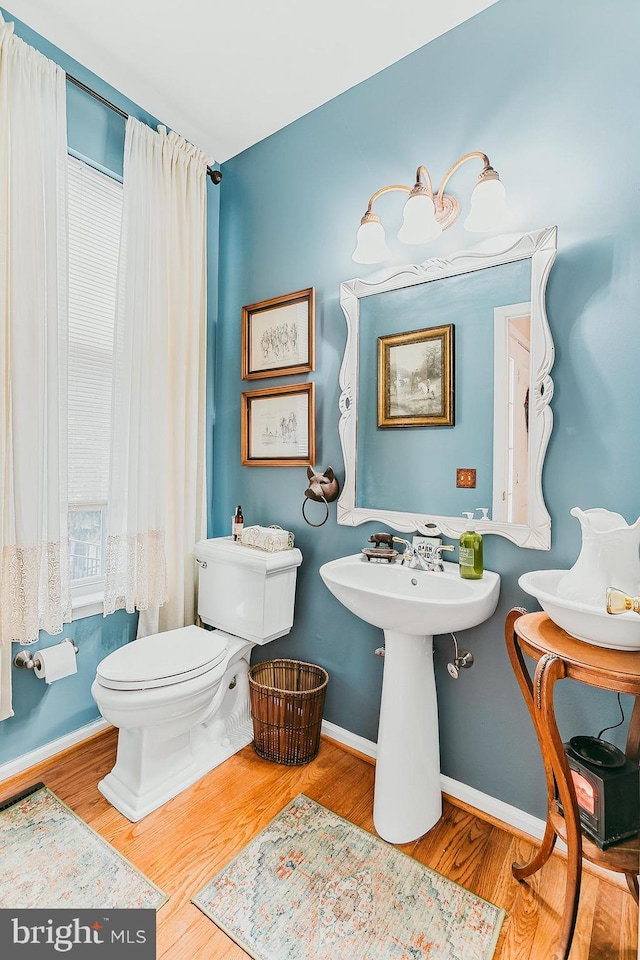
585 622
394 597
410 606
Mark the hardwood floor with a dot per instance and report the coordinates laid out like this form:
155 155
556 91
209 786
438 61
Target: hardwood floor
181 845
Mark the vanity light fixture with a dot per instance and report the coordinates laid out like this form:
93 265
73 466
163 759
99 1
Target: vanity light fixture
426 215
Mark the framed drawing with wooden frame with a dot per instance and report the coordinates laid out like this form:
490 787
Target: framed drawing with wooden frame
278 427
278 336
416 378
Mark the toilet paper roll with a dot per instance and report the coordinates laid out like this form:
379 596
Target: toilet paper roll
54 663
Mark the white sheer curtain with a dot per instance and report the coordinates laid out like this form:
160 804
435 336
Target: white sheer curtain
34 572
157 491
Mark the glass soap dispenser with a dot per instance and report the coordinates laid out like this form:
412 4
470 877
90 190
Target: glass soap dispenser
237 524
470 552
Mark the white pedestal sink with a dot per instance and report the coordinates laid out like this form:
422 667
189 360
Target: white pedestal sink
410 606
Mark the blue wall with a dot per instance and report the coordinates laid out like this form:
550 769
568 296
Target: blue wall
43 713
549 91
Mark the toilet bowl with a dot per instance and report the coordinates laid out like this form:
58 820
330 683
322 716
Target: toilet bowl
180 699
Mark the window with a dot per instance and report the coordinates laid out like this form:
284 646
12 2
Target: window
95 214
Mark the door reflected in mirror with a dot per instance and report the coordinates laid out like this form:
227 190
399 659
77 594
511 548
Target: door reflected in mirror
512 367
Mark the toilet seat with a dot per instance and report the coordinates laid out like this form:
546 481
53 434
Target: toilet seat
163 659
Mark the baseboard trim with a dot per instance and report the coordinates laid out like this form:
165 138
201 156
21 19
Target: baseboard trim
48 750
354 743
513 817
498 809
506 815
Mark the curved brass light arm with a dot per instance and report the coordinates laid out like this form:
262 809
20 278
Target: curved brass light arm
427 186
395 186
423 170
468 156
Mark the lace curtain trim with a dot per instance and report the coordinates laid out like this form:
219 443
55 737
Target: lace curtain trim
36 591
136 576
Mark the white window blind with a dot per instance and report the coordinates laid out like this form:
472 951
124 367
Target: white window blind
95 213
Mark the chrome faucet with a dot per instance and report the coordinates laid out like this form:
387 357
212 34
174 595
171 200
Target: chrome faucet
410 556
433 555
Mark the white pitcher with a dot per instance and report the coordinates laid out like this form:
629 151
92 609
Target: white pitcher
609 557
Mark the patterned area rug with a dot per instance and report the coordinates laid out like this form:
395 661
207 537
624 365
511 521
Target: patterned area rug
51 858
314 885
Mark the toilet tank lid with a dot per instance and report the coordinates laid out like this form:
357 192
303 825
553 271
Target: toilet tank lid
230 551
183 653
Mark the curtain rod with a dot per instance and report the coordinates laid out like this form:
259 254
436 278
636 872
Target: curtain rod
216 175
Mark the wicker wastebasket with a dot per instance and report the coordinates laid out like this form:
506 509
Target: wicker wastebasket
287 700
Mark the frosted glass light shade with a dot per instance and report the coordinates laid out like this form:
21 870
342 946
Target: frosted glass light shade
419 224
371 246
489 211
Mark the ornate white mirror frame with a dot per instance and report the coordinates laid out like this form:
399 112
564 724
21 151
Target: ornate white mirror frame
540 247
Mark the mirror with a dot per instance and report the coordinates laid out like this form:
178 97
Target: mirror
445 394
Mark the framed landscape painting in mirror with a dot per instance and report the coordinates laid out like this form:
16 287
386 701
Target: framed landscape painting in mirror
415 378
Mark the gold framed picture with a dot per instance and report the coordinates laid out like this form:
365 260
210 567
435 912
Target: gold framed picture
278 336
278 426
416 378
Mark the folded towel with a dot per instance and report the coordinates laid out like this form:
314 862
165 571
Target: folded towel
270 539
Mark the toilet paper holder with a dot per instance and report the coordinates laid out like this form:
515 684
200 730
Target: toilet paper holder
24 660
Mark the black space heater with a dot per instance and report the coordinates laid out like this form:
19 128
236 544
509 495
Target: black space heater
607 786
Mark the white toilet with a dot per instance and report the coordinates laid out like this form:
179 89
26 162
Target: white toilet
180 699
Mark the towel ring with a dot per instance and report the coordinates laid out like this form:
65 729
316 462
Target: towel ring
326 516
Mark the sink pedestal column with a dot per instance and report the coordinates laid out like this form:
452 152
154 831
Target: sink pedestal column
407 799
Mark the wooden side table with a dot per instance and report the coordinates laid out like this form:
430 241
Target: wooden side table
559 655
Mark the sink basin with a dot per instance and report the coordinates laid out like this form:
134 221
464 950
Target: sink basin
394 597
589 623
410 606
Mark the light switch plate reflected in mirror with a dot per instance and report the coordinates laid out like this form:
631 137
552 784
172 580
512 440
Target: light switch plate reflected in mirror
466 478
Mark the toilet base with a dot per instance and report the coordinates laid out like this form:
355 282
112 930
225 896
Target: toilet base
134 807
151 770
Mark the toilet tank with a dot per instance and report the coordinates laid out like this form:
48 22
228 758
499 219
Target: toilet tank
246 592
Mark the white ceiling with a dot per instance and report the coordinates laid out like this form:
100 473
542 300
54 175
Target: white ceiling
226 75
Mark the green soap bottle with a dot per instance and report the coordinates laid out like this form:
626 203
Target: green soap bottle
470 552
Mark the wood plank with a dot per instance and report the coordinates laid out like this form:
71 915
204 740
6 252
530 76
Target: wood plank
520 904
